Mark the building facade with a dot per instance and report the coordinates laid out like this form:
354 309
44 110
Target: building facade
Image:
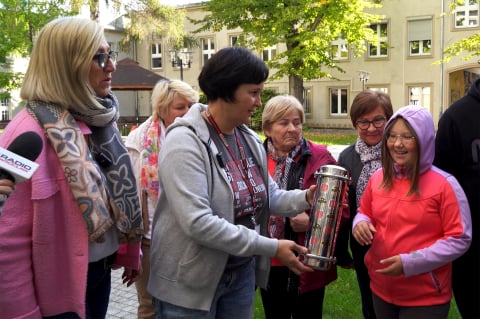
412 38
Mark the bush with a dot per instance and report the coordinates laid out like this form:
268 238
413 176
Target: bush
256 121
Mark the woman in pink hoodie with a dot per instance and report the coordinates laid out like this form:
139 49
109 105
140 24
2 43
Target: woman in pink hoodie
416 218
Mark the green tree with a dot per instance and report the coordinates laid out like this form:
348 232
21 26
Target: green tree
150 18
146 19
306 27
20 20
94 7
256 121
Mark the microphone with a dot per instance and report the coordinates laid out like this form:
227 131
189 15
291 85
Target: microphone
220 160
17 161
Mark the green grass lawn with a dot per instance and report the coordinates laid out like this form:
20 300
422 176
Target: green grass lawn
339 137
342 297
327 137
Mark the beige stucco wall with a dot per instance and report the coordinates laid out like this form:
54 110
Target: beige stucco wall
396 72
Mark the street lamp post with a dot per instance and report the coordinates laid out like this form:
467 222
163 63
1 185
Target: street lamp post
181 59
363 78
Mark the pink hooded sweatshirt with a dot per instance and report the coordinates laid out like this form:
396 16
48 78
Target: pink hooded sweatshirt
428 230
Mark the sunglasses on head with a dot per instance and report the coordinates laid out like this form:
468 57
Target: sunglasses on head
102 58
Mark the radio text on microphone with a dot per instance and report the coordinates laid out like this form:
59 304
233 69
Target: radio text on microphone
15 163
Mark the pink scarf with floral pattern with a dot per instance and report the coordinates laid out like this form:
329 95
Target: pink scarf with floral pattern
151 146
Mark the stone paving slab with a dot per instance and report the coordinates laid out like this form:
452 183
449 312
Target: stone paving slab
123 300
335 150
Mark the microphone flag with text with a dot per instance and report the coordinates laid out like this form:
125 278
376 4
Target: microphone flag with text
17 161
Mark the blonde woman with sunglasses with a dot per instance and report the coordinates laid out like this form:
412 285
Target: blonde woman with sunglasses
63 230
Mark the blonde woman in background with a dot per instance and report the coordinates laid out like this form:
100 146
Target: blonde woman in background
170 99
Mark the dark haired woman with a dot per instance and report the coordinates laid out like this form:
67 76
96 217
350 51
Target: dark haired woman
209 243
369 113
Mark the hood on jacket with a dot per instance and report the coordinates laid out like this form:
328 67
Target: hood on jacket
474 89
192 120
422 123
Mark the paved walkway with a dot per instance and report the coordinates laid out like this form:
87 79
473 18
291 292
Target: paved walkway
335 150
123 300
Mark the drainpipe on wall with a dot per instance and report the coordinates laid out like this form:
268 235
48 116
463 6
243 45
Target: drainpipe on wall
136 91
442 65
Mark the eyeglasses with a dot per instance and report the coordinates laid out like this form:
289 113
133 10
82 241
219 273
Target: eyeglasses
377 122
102 58
404 139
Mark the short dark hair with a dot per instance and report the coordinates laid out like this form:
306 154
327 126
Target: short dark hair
229 68
367 101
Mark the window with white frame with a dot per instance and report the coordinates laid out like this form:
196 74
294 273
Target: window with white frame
307 100
181 58
269 53
339 49
380 48
419 95
156 55
420 36
233 40
4 104
467 14
208 49
338 101
378 89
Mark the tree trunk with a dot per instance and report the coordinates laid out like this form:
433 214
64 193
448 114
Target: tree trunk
295 86
95 10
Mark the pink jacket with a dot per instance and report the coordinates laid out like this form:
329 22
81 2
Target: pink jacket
43 238
428 230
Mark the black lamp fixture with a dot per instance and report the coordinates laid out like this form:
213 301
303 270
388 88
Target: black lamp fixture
364 75
181 58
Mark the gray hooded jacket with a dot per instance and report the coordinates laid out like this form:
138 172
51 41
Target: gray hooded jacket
193 227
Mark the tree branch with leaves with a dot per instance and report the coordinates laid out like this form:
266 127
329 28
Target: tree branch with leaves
307 29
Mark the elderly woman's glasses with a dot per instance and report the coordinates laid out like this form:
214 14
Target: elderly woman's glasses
102 58
378 122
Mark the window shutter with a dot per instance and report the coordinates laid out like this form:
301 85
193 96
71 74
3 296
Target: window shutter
420 30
